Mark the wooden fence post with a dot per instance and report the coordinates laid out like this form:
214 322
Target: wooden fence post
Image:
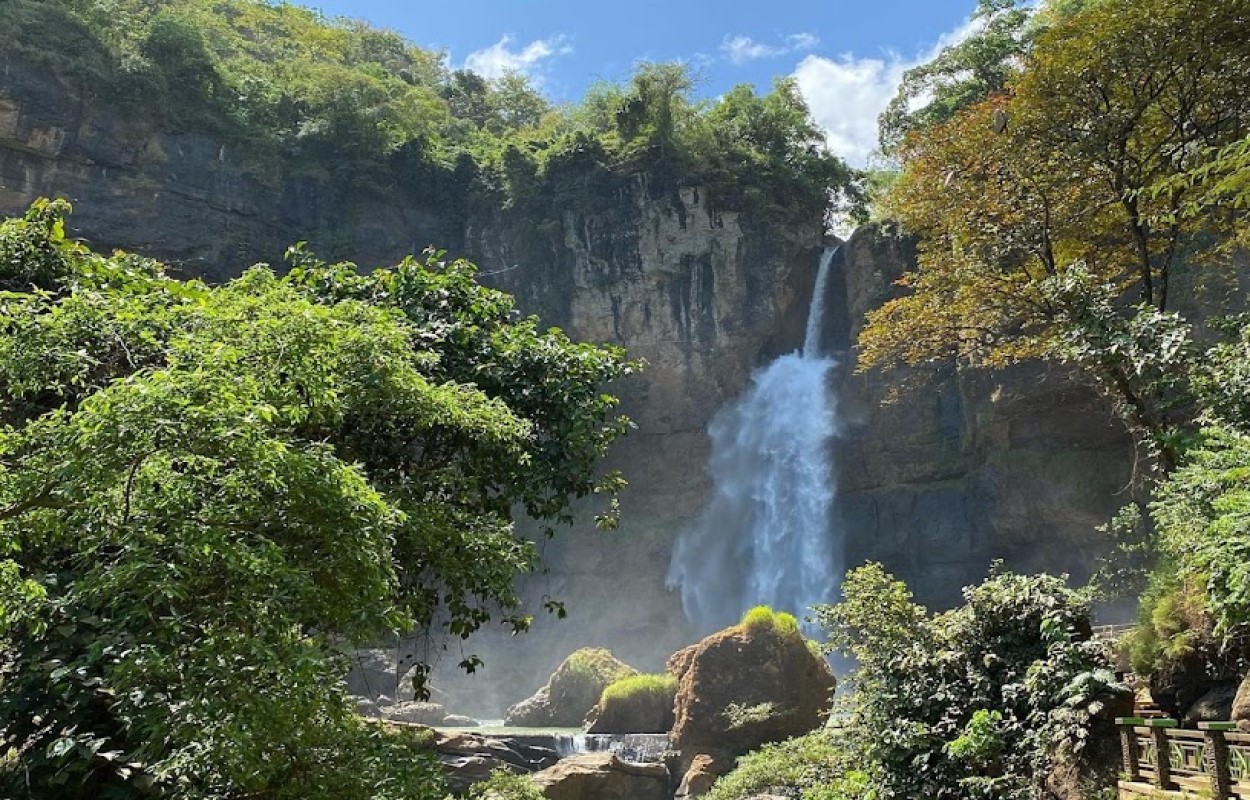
1163 753
1128 746
1217 758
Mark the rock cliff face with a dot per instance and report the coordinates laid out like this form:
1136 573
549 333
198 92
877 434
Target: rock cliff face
944 471
1019 465
705 296
187 198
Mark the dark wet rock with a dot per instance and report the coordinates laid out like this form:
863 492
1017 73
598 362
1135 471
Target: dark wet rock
1214 706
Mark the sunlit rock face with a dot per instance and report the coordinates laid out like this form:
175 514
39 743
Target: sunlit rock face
706 295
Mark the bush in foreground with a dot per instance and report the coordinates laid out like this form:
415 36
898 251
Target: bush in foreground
206 491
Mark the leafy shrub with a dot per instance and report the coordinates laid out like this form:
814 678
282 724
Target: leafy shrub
1197 602
287 87
1009 682
818 766
503 785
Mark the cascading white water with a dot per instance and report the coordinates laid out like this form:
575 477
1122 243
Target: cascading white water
765 537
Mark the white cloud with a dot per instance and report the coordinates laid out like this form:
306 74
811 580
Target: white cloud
741 49
802 41
846 94
502 57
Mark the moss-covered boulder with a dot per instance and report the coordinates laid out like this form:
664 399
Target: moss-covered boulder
757 682
571 691
637 704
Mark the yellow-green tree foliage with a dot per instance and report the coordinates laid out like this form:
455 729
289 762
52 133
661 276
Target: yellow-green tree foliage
1065 167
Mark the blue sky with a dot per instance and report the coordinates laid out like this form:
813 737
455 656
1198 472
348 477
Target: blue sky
847 56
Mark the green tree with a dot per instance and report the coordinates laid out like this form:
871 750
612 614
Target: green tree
961 75
657 104
206 492
1063 170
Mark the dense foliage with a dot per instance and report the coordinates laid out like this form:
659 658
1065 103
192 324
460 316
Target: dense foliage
290 89
505 785
205 493
979 64
983 701
980 701
818 766
1077 176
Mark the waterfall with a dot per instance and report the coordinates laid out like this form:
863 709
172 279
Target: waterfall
765 538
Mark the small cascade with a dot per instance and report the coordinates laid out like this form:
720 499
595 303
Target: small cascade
765 537
643 748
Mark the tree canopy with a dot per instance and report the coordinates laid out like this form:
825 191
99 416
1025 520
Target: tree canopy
207 492
1087 166
1066 213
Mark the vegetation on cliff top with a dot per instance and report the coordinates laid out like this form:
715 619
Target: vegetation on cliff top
205 492
291 89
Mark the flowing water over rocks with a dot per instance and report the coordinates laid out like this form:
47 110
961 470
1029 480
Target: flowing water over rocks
765 537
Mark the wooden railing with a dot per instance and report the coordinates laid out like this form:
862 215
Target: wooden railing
1213 761
1113 632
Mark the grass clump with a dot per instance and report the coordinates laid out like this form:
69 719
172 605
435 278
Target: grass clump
637 687
636 704
599 663
764 617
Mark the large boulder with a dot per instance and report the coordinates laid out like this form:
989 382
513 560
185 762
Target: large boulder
373 674
469 758
460 721
637 704
753 683
603 776
1214 706
571 691
1179 683
1241 705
